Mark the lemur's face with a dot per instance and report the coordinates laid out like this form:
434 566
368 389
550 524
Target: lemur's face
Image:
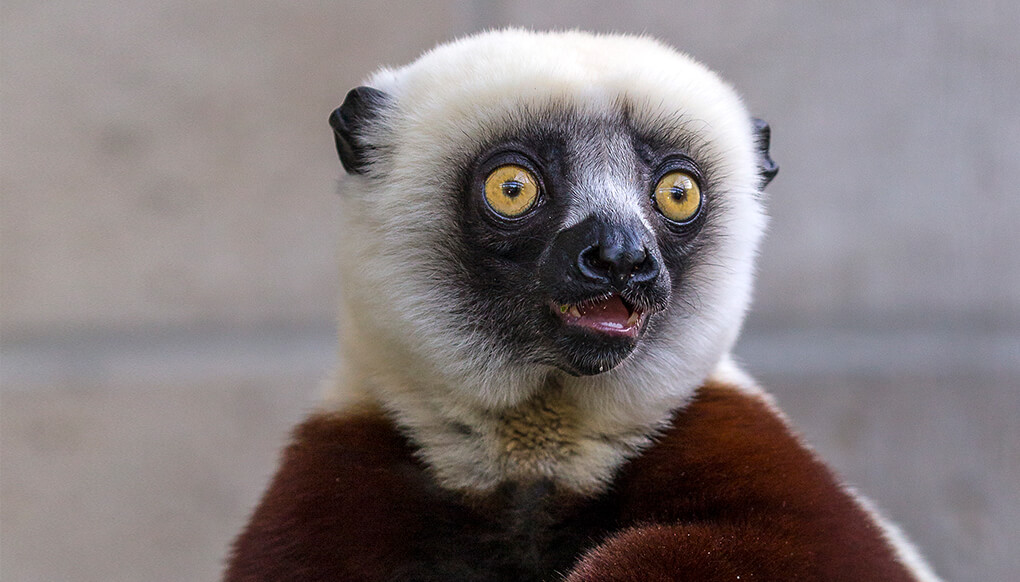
517 207
576 233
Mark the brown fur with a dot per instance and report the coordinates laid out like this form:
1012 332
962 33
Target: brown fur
336 510
726 493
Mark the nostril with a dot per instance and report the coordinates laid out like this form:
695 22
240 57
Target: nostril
646 270
591 263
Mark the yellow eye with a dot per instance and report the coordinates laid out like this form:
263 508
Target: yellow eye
677 196
511 190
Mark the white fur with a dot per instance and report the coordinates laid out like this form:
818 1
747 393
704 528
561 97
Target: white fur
401 345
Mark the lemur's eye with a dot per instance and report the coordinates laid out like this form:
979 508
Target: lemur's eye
678 197
511 190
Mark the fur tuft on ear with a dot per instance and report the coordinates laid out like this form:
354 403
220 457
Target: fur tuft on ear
763 135
348 121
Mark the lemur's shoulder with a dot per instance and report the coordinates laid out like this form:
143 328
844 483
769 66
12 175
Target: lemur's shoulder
744 493
339 505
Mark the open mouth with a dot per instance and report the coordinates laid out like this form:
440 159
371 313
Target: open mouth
612 315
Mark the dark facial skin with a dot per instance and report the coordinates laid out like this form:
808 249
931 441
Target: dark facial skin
521 272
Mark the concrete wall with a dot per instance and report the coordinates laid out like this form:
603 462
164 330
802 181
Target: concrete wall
169 163
167 248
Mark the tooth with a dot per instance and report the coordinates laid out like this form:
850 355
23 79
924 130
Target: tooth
564 307
634 317
574 312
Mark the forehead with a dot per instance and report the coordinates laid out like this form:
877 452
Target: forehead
480 89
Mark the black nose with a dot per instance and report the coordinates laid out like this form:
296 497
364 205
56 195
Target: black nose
609 254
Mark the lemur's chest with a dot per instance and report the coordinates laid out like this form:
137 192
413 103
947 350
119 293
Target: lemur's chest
520 532
545 438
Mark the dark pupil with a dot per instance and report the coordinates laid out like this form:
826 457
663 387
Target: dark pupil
678 193
512 188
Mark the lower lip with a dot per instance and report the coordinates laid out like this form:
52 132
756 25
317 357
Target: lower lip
608 328
612 329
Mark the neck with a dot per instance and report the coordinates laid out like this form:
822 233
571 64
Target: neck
573 431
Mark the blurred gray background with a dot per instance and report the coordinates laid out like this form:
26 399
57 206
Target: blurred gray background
167 274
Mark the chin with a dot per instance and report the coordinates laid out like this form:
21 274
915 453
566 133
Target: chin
586 353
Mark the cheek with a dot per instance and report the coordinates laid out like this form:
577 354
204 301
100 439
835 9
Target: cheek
501 299
681 254
499 269
503 254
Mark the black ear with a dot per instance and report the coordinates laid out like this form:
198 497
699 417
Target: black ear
348 122
767 168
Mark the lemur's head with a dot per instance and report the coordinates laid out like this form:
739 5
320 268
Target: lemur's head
523 204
